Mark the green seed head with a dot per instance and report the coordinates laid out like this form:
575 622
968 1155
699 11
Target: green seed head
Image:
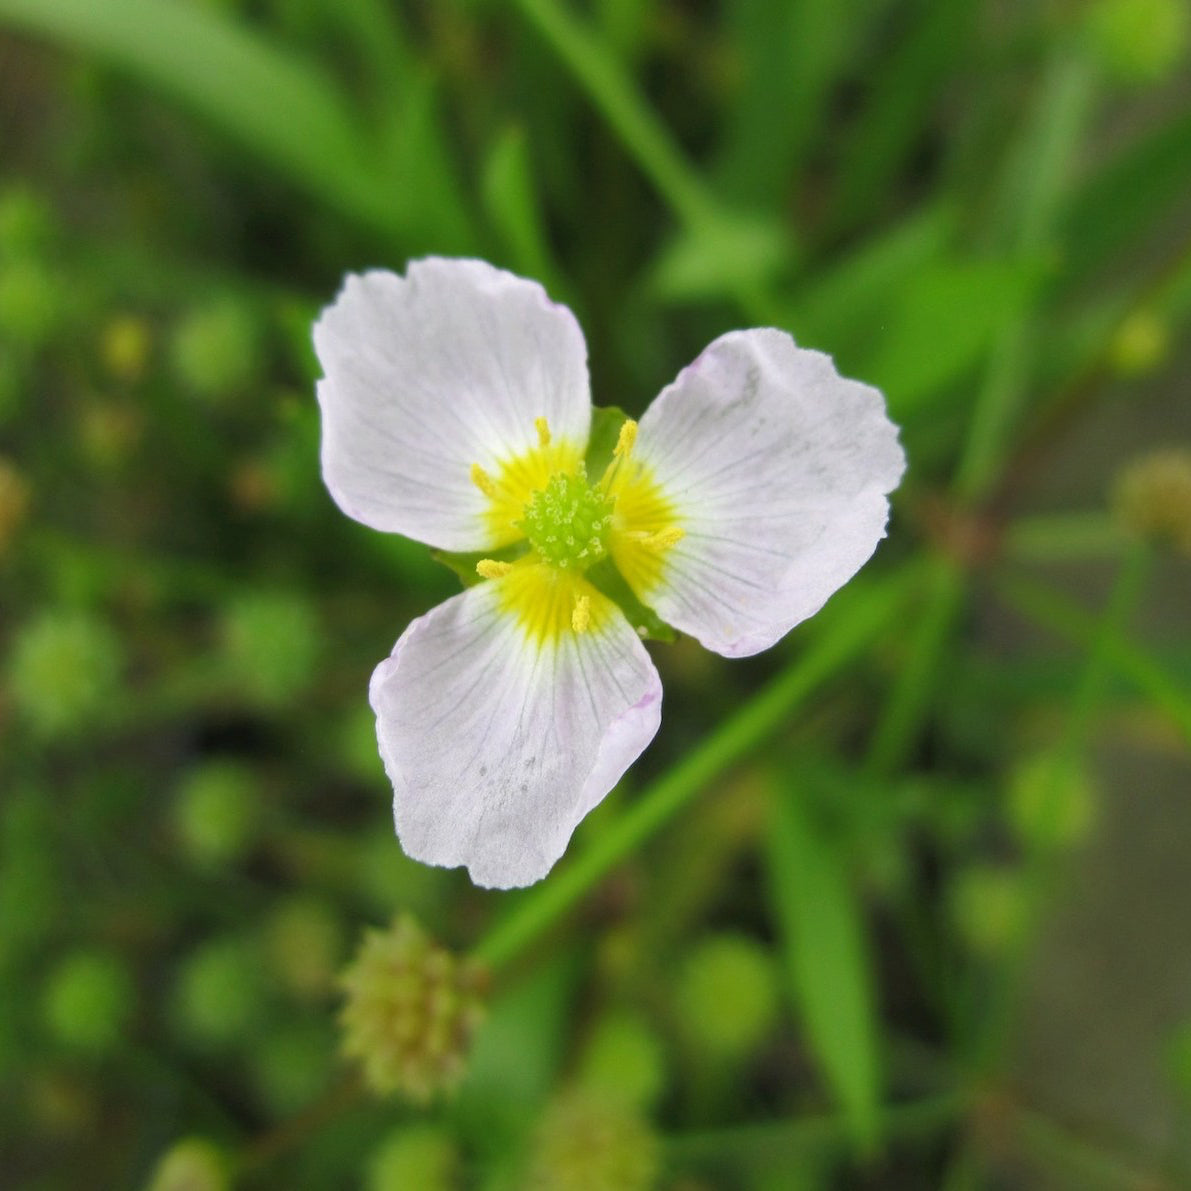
567 522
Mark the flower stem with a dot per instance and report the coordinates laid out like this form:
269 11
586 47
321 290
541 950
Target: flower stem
863 615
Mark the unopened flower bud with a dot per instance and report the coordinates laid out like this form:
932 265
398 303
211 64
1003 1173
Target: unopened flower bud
1152 497
727 996
1051 801
589 1142
88 1001
412 1009
64 671
125 347
1139 41
1140 343
193 1164
422 1156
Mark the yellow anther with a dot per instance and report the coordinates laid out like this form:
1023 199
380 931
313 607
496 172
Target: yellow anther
626 438
483 481
581 614
543 429
663 539
489 568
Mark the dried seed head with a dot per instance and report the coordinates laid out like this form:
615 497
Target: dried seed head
412 1009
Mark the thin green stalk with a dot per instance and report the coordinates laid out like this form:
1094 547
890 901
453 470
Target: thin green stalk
765 1141
1069 620
848 636
623 106
1033 194
1039 872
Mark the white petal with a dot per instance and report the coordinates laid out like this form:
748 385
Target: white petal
496 747
777 469
427 374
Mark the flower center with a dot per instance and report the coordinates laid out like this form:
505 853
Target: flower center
543 496
567 522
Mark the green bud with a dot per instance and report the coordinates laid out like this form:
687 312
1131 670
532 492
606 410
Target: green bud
411 1011
1139 41
88 1001
270 645
216 350
624 1059
1140 344
1151 497
304 940
727 995
421 1156
220 995
27 222
31 303
216 812
587 1142
988 907
1051 802
292 1066
125 347
193 1164
64 671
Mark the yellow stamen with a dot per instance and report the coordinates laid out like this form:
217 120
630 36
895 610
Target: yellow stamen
663 539
484 482
625 439
489 568
543 429
581 616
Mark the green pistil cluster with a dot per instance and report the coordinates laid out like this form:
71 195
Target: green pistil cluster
567 522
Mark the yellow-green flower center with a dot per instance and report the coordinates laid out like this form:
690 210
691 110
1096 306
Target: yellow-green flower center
567 522
542 496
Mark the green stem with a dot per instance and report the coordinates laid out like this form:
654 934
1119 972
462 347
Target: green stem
622 105
907 703
1034 190
765 1142
1039 869
867 613
1069 620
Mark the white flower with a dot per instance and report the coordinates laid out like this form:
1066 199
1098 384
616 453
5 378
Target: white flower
456 410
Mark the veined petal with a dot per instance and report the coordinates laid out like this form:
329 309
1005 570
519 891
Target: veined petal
498 741
429 374
777 470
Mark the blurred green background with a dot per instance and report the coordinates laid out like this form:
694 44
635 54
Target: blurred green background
918 914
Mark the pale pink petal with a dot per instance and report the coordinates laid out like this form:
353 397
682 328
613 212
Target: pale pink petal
497 746
777 470
428 374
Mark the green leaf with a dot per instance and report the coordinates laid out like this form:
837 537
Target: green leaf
606 422
719 255
272 101
821 924
511 202
947 318
1127 198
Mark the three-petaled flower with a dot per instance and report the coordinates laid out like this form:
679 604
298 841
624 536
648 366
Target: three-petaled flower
456 410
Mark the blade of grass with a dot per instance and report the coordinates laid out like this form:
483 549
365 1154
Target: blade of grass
273 102
822 926
1067 619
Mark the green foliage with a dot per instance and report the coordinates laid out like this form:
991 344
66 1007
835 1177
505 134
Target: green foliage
979 208
827 958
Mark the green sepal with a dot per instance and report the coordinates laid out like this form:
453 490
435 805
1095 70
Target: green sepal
606 422
604 577
464 565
